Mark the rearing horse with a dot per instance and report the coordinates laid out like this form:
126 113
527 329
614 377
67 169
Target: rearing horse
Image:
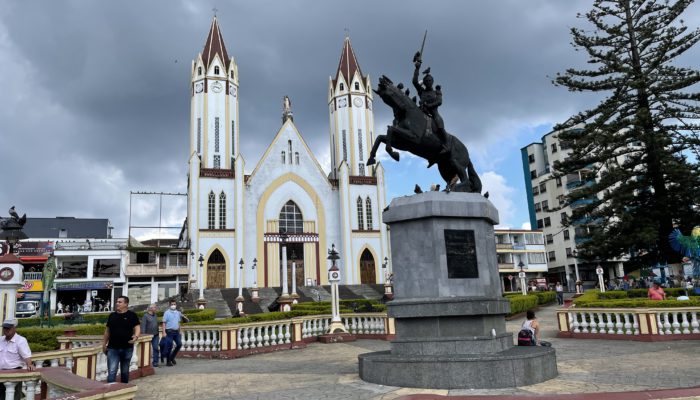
412 131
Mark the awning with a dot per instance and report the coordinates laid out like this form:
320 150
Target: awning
91 285
33 259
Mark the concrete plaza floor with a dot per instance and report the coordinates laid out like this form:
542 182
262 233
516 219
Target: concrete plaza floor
329 371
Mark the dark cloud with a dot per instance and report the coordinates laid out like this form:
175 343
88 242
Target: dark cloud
95 96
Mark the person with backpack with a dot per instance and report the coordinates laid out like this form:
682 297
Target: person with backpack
529 331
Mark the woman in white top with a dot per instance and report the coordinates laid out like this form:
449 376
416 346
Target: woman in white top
532 324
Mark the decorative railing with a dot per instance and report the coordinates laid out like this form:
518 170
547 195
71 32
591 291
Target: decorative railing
32 276
216 173
154 269
631 324
362 180
241 339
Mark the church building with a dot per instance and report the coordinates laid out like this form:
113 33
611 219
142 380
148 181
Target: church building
287 201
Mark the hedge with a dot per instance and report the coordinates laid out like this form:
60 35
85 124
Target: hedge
101 318
44 339
631 299
520 303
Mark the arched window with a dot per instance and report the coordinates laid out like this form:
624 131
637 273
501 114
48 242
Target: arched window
357 86
284 159
291 219
199 71
360 218
231 74
222 210
290 151
212 210
368 204
342 87
216 70
296 157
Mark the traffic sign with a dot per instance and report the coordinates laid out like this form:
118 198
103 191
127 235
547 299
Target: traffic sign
521 275
510 277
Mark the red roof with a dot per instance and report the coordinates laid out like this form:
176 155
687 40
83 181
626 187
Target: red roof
215 45
348 63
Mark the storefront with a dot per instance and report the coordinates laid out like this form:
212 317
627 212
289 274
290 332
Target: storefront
149 289
90 296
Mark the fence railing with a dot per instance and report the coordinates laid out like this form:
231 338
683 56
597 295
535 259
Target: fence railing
647 324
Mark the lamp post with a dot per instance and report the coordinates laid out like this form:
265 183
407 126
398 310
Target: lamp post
521 275
201 303
337 325
578 278
284 300
240 299
388 286
294 294
254 291
599 272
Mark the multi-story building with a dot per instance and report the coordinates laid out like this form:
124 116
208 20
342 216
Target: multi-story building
549 212
514 247
156 269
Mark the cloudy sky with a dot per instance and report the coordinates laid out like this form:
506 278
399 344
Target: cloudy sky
94 99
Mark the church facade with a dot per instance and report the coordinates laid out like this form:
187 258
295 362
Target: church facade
287 201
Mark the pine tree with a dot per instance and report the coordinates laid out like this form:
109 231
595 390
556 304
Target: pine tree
641 141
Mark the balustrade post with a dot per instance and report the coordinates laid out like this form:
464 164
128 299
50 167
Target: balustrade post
228 337
297 335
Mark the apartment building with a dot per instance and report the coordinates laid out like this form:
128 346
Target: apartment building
514 247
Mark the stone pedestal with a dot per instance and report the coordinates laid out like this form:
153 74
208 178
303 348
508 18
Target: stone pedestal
448 308
285 302
201 303
11 279
255 294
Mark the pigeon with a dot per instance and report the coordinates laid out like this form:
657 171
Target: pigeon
417 189
427 70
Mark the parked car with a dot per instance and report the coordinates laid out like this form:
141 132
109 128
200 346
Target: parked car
26 309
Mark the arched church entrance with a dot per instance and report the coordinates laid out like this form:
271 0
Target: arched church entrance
216 270
291 223
367 270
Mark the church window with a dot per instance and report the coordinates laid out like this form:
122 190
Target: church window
199 71
296 157
217 161
216 134
291 219
357 86
345 147
362 169
212 210
368 204
359 142
231 74
199 135
360 218
222 210
290 151
284 159
216 70
342 87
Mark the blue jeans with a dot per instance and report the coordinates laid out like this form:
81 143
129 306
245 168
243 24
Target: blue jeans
174 337
118 358
155 349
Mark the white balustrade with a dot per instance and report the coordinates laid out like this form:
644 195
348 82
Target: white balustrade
668 321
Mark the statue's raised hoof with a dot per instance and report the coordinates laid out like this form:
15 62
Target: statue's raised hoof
395 155
370 161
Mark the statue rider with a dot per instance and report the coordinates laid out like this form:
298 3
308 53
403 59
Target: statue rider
430 100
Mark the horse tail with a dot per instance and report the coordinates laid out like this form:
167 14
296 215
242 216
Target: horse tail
474 179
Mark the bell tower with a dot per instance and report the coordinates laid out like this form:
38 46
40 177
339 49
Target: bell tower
351 118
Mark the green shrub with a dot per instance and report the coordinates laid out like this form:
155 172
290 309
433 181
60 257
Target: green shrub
46 337
545 297
520 303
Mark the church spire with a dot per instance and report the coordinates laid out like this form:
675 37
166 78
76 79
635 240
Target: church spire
348 63
215 45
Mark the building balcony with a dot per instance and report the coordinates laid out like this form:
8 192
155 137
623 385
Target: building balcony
504 246
582 202
32 276
155 270
579 184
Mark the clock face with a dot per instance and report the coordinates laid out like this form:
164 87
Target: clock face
199 87
6 273
343 102
357 102
335 275
216 87
232 90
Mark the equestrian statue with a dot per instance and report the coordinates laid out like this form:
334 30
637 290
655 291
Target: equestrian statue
419 129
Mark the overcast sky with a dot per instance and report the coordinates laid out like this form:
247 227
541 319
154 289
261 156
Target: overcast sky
94 98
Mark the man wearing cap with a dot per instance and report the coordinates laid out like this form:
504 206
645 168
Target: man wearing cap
14 353
123 329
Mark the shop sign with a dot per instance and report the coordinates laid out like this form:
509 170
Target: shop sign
89 285
32 286
34 249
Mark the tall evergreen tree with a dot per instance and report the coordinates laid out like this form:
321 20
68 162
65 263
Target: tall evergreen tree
641 141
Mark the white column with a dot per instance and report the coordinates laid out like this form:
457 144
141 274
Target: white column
294 277
285 291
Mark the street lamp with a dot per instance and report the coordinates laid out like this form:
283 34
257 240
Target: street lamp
521 275
599 272
336 325
201 277
578 278
254 290
388 287
240 299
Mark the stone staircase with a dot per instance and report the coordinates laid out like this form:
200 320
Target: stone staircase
366 291
312 293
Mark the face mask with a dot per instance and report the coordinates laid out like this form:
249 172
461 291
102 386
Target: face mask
173 307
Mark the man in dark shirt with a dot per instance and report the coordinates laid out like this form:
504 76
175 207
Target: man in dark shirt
123 329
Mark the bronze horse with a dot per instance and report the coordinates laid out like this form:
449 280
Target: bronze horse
412 131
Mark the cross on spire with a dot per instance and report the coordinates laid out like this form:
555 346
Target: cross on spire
215 10
347 32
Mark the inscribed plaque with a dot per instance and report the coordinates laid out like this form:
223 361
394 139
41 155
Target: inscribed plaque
460 250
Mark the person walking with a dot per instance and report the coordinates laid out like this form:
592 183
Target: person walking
14 353
149 326
559 288
123 329
171 326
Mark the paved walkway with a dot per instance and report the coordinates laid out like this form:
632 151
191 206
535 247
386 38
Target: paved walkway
329 371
